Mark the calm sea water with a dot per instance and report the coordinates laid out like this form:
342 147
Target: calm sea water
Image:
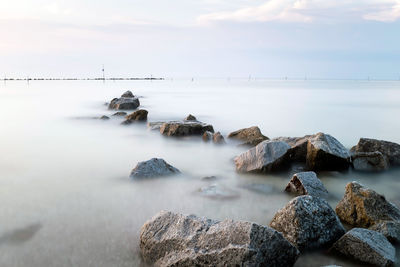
66 199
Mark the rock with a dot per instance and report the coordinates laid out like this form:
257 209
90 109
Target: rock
390 150
170 239
251 136
153 168
207 136
366 246
265 157
177 128
120 113
139 115
390 229
307 183
215 191
369 161
308 222
209 178
155 125
218 138
124 103
104 117
190 117
363 207
127 94
298 151
324 152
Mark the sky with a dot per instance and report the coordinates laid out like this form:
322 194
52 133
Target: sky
201 38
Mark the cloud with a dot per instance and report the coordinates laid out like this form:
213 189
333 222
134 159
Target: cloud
309 11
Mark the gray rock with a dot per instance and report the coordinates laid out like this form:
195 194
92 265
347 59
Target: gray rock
265 157
127 94
207 136
139 115
363 207
124 103
390 229
251 136
366 246
369 161
308 222
104 117
170 239
324 152
298 151
307 183
390 150
190 117
177 128
153 168
155 125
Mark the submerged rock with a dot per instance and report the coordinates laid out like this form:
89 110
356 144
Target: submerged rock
308 222
177 128
139 115
251 136
218 138
155 125
126 101
390 150
190 117
104 117
369 161
363 207
153 168
307 183
390 229
265 157
207 136
170 239
324 152
120 113
216 191
366 246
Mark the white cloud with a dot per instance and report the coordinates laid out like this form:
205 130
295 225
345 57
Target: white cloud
310 10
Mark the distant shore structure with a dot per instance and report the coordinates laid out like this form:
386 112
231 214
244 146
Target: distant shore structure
84 79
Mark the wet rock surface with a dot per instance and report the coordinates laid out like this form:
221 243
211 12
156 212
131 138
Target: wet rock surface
390 150
298 151
179 129
366 246
363 207
390 229
154 167
251 136
369 161
170 239
265 157
307 183
125 102
308 222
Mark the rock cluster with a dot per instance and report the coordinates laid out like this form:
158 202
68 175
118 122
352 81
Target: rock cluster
170 239
187 128
216 138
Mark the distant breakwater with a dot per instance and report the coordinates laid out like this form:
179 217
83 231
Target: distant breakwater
81 79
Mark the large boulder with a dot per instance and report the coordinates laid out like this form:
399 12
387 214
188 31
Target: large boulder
367 246
170 239
139 115
363 207
126 101
390 229
369 161
153 168
265 157
298 151
324 152
308 222
390 150
250 136
178 128
307 183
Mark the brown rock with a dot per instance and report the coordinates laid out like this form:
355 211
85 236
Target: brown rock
177 128
251 136
369 161
139 115
390 150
